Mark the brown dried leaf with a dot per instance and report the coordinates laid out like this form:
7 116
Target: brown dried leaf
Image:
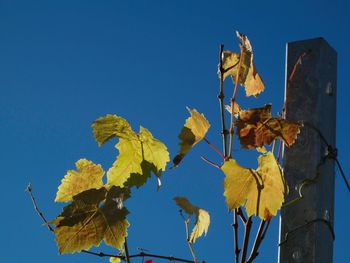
256 127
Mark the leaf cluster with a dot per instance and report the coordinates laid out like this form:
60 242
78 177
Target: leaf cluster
96 212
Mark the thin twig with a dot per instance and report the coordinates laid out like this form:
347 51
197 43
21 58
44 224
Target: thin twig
170 258
221 97
233 98
235 228
29 189
214 147
211 163
241 215
247 228
259 237
187 222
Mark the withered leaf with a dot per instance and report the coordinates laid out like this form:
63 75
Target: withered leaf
256 127
194 130
202 217
248 76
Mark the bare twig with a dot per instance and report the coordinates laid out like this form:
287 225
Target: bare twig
235 228
29 189
221 97
247 228
233 98
210 162
214 147
187 222
170 258
259 237
241 215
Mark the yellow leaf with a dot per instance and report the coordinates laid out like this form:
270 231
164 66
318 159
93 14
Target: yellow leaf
110 126
139 153
87 176
201 225
248 76
138 157
194 130
85 223
261 191
114 260
202 217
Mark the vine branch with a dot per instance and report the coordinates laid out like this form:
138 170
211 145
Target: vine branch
247 228
258 239
233 98
187 221
235 228
221 97
29 190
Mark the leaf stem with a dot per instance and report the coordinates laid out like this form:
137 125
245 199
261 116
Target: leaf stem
210 162
221 97
187 221
233 102
214 147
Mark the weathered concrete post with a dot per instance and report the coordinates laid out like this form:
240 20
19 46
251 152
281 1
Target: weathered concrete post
306 227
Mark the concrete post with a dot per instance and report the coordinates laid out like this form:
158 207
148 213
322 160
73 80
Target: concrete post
306 226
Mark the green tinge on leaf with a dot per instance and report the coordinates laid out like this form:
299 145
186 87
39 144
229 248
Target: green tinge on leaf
194 130
260 191
87 176
137 159
202 217
111 126
85 223
139 153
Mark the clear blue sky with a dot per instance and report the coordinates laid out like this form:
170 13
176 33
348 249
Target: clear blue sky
65 63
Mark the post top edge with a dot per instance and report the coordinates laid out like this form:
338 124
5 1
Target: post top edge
312 41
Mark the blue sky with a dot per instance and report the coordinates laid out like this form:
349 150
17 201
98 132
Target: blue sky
65 63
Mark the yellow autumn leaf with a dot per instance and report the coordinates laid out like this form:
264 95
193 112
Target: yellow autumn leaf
110 126
114 260
85 222
248 76
88 175
260 191
194 130
201 216
137 158
139 153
